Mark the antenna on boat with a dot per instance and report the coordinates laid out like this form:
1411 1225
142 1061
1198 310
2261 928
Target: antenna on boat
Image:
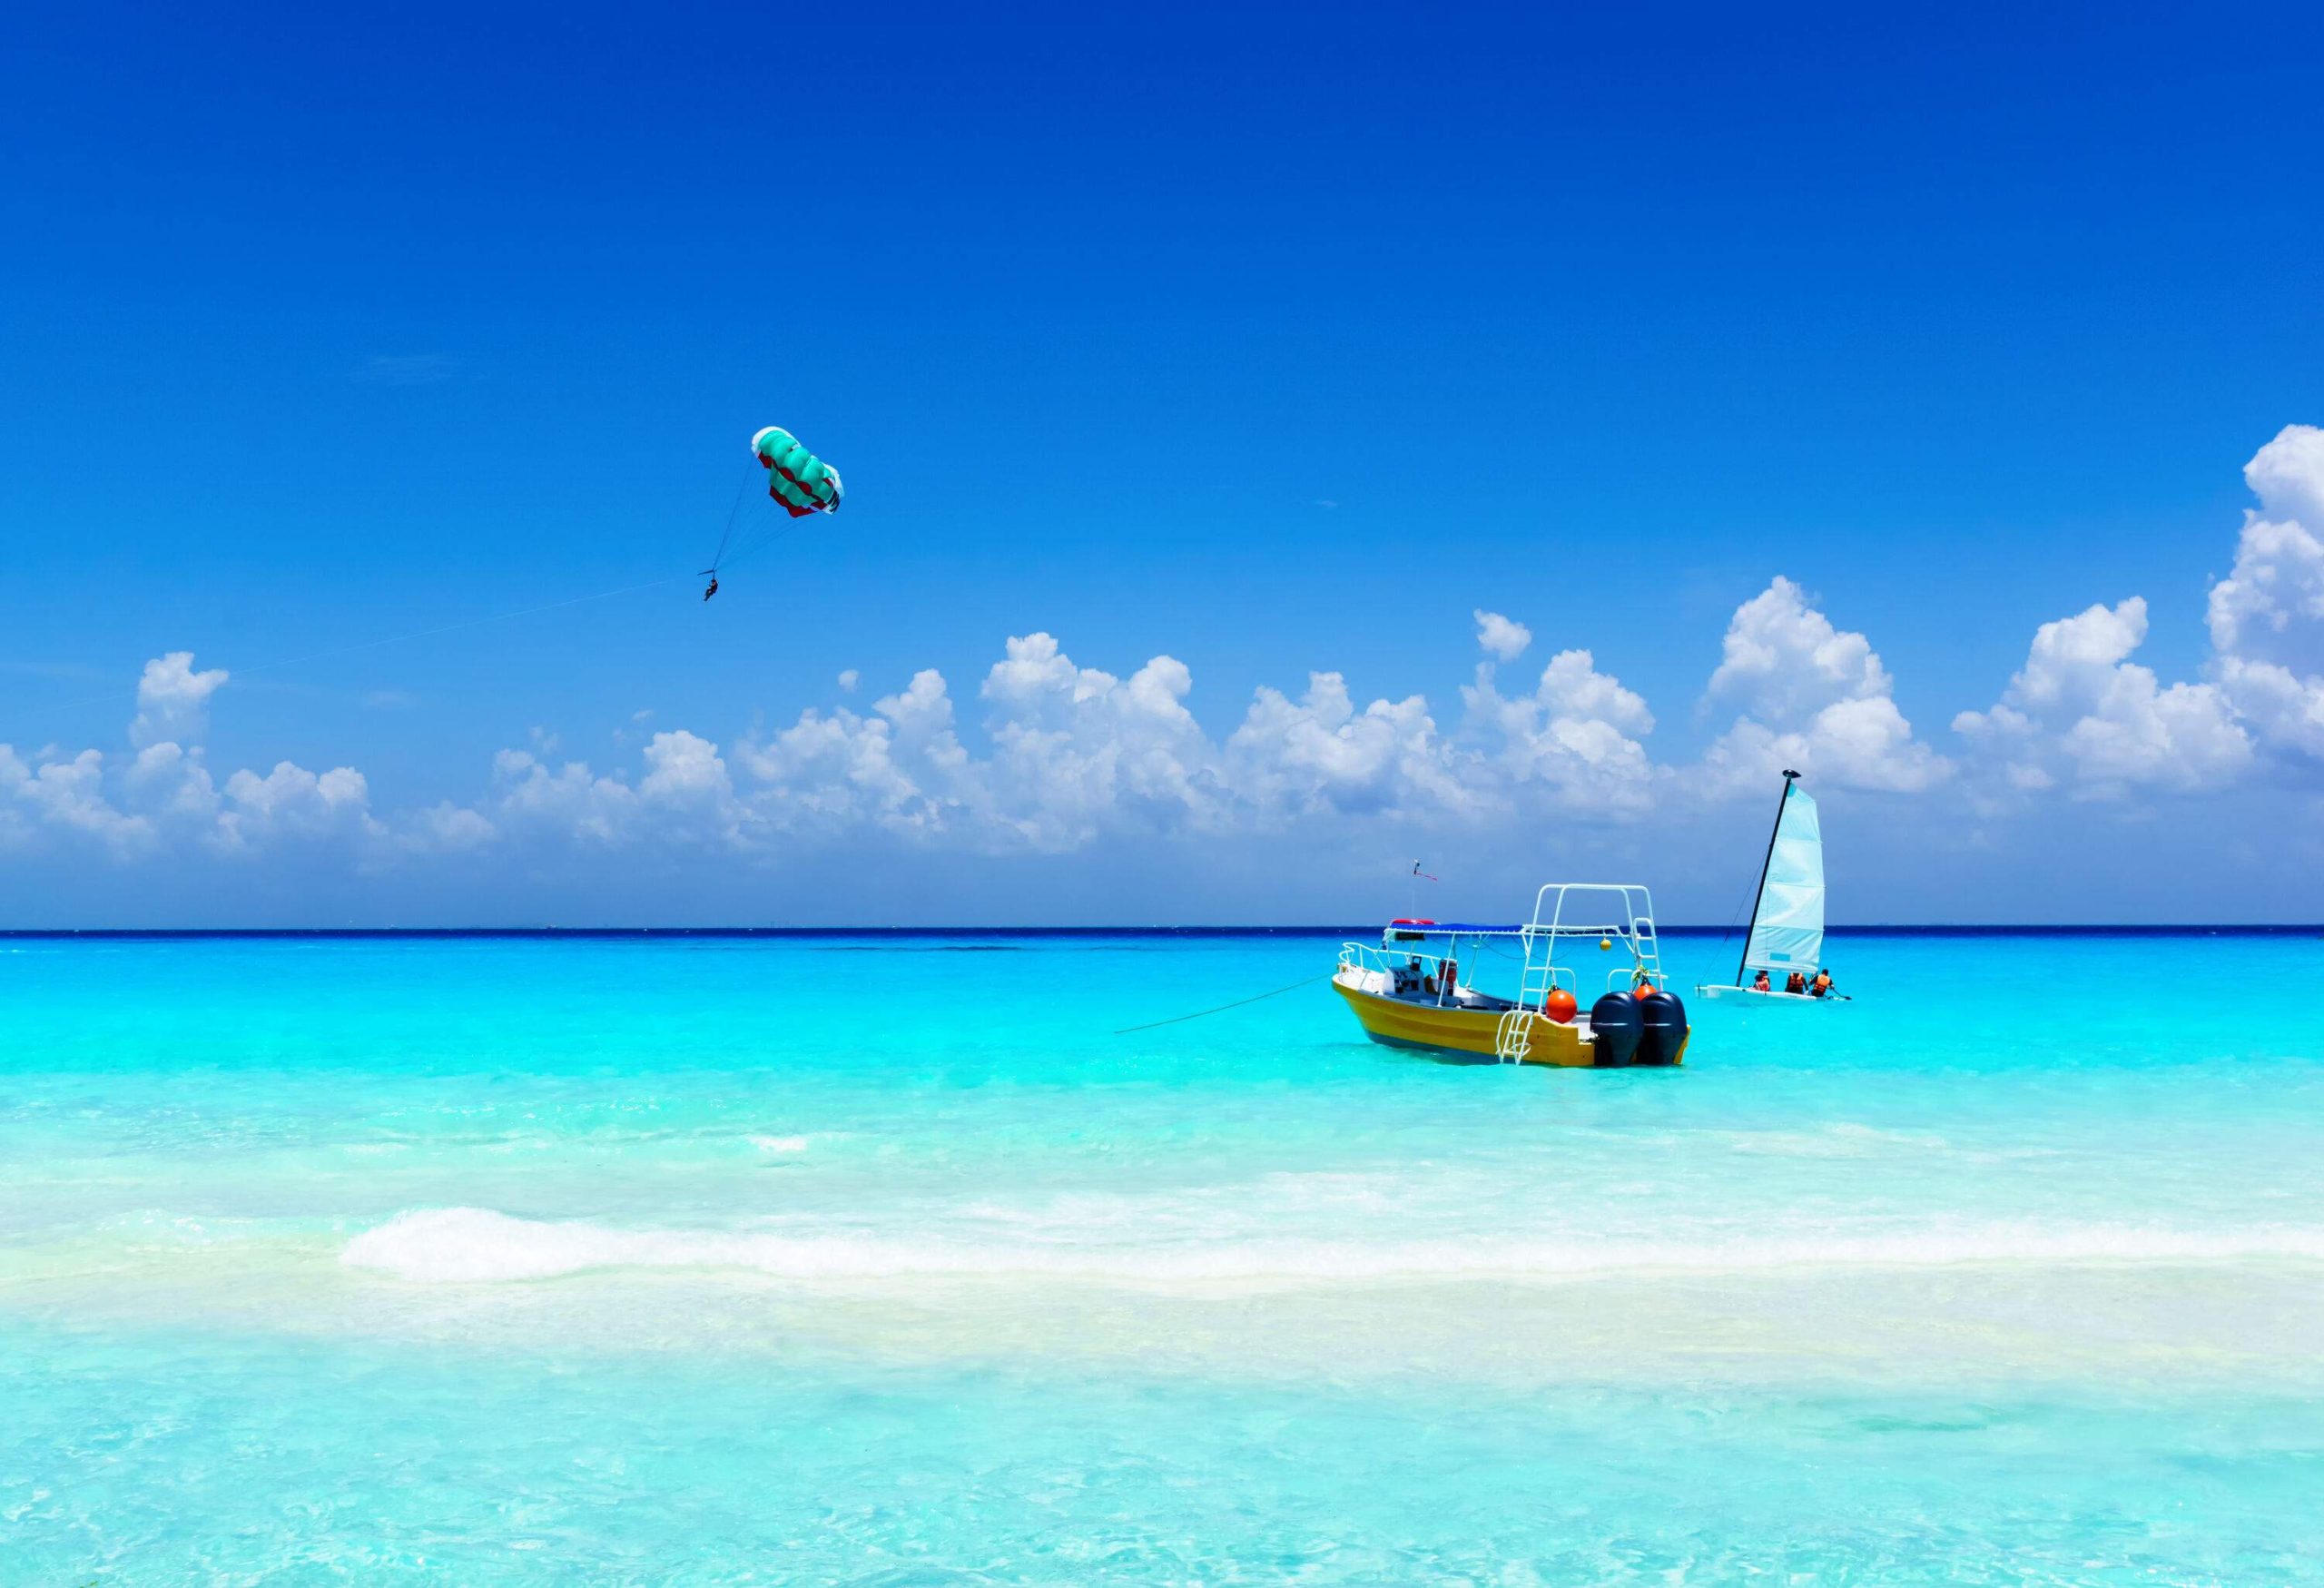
1419 876
1760 898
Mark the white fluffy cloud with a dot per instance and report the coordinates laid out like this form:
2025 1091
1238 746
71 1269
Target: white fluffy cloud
901 769
1574 738
163 792
1077 750
173 700
292 802
2267 617
66 793
2081 712
445 828
1320 755
1049 755
1811 697
2081 715
570 801
1501 637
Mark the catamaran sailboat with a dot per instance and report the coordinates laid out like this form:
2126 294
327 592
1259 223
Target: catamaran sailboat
1417 989
1786 936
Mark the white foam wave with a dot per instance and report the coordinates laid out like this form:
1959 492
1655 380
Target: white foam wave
477 1245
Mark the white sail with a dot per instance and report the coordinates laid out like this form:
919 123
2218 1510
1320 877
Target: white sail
1788 931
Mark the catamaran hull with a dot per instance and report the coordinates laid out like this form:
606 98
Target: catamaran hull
1720 993
1470 1032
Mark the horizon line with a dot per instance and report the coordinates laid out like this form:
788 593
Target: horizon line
1894 929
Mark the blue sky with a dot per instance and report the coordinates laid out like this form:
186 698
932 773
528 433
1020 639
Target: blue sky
1269 341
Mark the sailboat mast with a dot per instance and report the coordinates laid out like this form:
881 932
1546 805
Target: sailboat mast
1759 898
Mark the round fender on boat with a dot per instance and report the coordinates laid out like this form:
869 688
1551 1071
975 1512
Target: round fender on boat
1664 1019
1615 1029
1560 1006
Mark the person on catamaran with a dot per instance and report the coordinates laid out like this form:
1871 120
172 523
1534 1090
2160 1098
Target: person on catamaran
1821 985
706 595
1761 984
1795 984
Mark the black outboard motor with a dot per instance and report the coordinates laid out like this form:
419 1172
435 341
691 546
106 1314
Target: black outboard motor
1615 1029
1665 1035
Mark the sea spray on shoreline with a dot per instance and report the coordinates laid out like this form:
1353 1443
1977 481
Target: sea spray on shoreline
480 1246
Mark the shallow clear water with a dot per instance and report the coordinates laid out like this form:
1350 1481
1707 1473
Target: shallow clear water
884 1260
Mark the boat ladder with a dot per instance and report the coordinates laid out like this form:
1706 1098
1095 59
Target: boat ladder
1648 947
1512 1038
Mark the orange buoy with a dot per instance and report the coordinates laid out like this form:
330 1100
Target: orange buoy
1560 1005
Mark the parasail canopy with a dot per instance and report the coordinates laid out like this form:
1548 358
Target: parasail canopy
802 482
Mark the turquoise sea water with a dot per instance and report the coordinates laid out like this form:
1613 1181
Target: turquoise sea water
883 1262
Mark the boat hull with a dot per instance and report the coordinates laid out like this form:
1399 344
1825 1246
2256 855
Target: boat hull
1468 1032
1720 993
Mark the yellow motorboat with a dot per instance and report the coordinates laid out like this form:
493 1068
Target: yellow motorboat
1416 988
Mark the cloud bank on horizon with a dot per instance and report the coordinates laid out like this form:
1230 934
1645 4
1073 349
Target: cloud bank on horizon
1070 756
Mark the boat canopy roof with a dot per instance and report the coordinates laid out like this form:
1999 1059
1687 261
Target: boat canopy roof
1451 929
1412 929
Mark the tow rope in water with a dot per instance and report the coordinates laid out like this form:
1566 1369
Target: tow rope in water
1222 1009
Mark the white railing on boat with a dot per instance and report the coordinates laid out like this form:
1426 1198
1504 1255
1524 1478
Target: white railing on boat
1514 1039
1616 912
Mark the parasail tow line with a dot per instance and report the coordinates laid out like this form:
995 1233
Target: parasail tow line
1222 1009
741 488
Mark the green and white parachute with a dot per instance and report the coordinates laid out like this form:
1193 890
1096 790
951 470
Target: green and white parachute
802 482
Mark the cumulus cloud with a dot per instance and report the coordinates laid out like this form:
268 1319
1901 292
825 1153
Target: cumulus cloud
569 800
174 783
2267 617
2080 715
445 828
67 793
292 802
1812 697
1319 754
683 796
1047 754
1077 753
1500 636
1574 738
901 769
173 700
1077 750
163 794
2081 712
687 790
